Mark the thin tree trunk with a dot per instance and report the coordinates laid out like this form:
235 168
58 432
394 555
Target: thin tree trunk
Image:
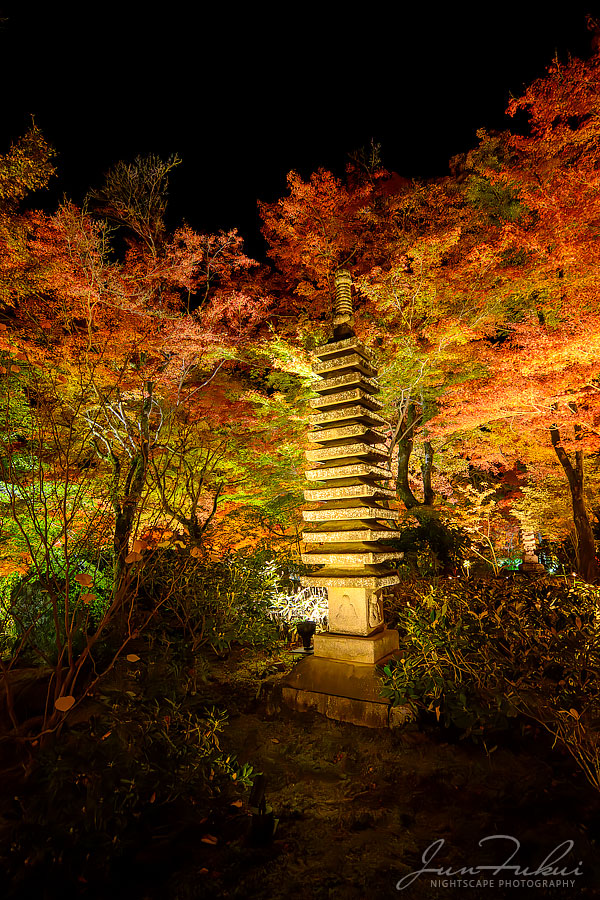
125 510
586 550
426 467
405 446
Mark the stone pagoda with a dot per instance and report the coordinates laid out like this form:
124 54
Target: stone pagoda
346 526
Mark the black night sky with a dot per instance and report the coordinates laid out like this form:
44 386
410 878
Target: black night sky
245 96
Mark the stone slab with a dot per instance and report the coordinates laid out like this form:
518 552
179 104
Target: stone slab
342 450
352 512
350 396
344 431
337 348
368 649
348 559
374 582
343 691
351 471
338 381
363 534
347 361
356 413
351 490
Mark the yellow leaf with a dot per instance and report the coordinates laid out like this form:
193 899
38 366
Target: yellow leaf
64 703
132 657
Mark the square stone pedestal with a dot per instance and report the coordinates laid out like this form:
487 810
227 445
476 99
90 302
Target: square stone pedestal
341 690
356 648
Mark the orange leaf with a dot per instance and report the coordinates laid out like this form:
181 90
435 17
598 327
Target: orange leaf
209 839
196 552
237 804
15 369
153 797
84 579
64 703
138 546
134 556
87 598
132 657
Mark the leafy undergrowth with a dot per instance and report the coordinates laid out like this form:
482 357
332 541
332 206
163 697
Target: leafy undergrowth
356 808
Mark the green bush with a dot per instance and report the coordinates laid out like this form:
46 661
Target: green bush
219 603
478 653
100 791
28 604
432 547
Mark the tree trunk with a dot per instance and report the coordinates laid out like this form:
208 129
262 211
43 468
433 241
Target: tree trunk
426 467
586 549
125 510
405 446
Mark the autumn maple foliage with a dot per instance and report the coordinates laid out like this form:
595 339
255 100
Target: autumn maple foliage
478 291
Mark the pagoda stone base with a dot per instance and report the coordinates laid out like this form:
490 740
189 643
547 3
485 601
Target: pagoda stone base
354 611
344 691
368 649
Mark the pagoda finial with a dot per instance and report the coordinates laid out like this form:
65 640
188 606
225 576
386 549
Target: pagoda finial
343 318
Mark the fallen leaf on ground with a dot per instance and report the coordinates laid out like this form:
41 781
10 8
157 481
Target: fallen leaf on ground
64 703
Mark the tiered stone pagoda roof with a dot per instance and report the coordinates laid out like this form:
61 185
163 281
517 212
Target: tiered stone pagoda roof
350 518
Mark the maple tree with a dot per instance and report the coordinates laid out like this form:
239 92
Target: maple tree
477 290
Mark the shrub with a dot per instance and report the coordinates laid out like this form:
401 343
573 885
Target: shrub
476 654
101 790
220 603
33 610
432 546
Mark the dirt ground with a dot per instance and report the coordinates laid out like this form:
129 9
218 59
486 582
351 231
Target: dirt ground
357 808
